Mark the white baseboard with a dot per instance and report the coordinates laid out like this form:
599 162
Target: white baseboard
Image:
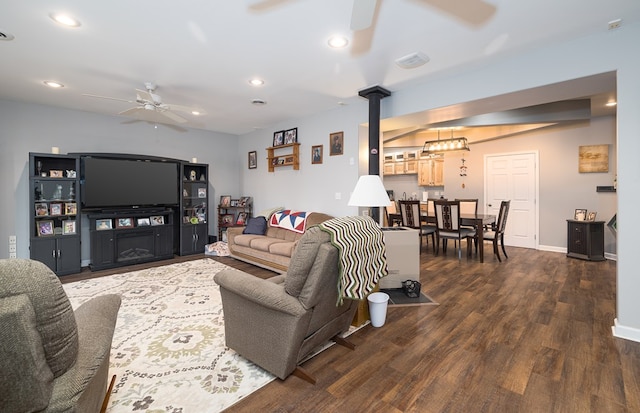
628 333
551 248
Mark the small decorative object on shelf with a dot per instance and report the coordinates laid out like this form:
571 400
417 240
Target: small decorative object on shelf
233 213
580 215
278 138
284 159
290 136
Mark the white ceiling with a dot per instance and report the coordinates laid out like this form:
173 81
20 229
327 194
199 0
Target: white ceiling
202 54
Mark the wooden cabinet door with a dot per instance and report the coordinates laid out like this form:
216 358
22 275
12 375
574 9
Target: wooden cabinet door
423 173
438 172
389 168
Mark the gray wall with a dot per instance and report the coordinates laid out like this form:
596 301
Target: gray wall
36 128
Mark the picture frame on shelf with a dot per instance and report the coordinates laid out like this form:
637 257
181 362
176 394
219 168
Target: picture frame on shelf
55 173
336 143
69 227
226 220
55 208
70 208
278 138
580 215
185 219
143 222
592 216
45 228
290 136
316 154
124 222
242 218
42 209
157 220
225 201
202 192
102 224
252 160
244 201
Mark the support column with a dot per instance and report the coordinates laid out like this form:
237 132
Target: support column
374 94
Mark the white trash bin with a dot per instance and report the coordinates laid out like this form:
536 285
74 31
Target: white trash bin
378 308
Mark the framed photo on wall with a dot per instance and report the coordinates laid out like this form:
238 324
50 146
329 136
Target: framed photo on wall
290 136
253 160
278 138
336 143
316 154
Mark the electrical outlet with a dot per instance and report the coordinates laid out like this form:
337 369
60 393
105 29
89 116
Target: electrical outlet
12 248
12 255
12 239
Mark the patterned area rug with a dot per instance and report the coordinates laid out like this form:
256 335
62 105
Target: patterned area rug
168 350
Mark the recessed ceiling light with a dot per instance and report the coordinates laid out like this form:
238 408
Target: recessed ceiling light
64 20
338 42
53 84
613 103
195 112
256 82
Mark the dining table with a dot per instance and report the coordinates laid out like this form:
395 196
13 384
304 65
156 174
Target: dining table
478 221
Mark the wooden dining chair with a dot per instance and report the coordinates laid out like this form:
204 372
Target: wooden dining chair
448 226
411 218
496 233
392 215
469 206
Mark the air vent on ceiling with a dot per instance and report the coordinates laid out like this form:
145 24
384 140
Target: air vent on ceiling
259 102
412 60
6 36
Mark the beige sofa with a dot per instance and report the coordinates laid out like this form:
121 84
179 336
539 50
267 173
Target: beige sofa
273 250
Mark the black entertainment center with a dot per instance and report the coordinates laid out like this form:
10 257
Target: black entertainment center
139 208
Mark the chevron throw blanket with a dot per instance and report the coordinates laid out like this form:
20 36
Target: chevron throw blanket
363 261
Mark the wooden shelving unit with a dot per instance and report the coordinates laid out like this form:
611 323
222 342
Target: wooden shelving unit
275 159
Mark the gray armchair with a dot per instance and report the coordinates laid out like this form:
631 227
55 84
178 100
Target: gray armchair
276 323
52 359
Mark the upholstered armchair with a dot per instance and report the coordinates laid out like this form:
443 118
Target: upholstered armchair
52 359
276 323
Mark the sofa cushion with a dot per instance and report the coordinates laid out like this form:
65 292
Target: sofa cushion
292 220
256 225
55 320
29 380
245 239
264 243
282 248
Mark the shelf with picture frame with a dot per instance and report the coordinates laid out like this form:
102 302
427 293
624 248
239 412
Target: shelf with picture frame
233 212
284 155
194 208
55 218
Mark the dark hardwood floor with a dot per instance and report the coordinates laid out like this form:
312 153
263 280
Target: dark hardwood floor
530 334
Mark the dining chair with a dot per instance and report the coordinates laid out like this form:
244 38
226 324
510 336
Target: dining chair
496 233
411 218
448 226
393 217
469 206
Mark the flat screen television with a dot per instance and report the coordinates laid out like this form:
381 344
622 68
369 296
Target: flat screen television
113 183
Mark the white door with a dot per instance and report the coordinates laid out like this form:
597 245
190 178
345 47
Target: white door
514 177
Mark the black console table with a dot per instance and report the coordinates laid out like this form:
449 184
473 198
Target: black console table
585 240
130 236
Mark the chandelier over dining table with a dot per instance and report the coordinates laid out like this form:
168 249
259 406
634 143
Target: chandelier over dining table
445 145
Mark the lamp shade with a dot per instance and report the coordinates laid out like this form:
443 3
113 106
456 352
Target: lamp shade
369 192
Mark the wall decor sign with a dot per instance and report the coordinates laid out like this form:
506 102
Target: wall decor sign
593 158
336 143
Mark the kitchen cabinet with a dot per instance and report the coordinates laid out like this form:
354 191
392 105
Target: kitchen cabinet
431 172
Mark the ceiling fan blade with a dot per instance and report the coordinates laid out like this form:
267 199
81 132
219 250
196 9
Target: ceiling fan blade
132 111
181 108
143 95
107 97
362 14
172 116
475 12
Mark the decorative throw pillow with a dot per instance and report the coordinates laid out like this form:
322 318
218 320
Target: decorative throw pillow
268 212
256 225
295 221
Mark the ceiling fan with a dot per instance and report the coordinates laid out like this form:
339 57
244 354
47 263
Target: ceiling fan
150 106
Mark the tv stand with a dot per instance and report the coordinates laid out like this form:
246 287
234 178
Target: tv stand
129 236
